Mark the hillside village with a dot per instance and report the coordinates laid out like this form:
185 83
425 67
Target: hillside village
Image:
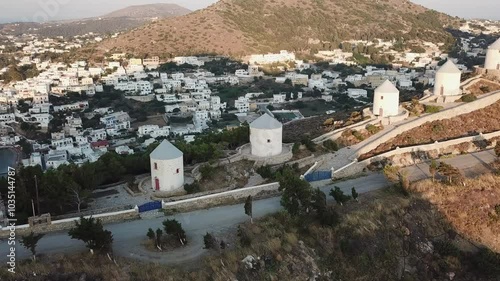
130 136
188 93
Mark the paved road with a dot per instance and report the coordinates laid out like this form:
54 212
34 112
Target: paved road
471 165
129 235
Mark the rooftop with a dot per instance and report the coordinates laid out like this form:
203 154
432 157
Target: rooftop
166 151
449 67
496 45
266 122
387 87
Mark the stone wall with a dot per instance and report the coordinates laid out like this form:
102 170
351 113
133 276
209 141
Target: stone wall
420 153
66 224
482 102
333 135
147 98
222 198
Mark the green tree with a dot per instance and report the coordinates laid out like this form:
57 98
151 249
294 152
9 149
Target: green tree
297 193
452 174
30 242
79 195
210 242
159 234
173 227
339 196
248 207
354 194
296 148
92 233
151 234
331 145
318 202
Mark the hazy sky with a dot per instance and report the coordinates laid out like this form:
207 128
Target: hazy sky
43 10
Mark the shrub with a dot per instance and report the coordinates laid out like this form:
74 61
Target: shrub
310 145
207 171
265 172
295 148
331 145
437 128
468 98
358 135
192 188
432 108
372 129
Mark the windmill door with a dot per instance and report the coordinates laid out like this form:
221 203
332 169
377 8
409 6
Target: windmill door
157 184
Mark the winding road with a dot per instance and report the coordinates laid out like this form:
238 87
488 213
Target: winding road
129 235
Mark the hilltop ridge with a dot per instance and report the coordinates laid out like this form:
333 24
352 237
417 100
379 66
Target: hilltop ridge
237 27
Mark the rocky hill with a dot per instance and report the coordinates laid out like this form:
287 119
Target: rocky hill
238 27
149 11
117 21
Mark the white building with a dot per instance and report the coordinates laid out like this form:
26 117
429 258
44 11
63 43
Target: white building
357 93
386 100
447 82
266 134
167 167
124 150
279 98
493 56
242 104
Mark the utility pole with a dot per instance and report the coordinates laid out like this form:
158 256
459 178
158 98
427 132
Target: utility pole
37 199
33 207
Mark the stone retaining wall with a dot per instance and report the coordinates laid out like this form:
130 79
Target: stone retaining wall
482 102
66 224
420 153
222 198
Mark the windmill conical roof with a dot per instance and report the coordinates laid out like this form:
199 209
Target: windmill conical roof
449 67
387 87
166 151
266 122
496 45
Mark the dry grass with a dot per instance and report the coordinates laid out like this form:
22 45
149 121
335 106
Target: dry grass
470 209
483 87
368 244
485 120
228 175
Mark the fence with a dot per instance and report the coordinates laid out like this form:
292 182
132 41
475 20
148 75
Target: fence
318 176
150 206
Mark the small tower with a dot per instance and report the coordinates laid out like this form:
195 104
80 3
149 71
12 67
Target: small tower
447 82
493 56
386 100
167 167
266 136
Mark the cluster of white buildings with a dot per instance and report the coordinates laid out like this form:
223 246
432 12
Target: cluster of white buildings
281 57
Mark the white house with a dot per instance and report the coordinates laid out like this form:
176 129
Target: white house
9 117
124 150
242 104
357 93
266 136
167 167
386 100
147 129
279 98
